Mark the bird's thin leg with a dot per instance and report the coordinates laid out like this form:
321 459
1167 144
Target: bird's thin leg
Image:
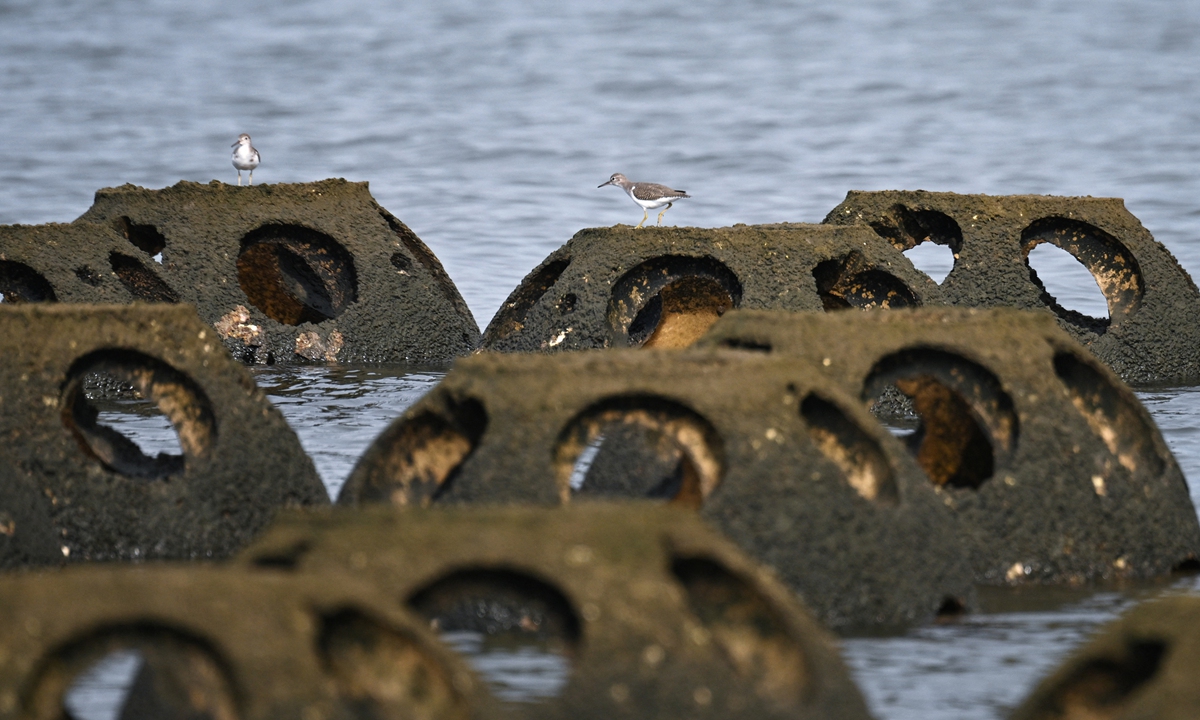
668 207
239 177
645 214
251 177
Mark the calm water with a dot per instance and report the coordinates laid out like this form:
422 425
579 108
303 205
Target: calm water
487 126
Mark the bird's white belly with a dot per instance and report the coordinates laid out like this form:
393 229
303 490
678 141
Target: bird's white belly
651 204
245 160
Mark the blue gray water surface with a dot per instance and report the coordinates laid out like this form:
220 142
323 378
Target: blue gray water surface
487 126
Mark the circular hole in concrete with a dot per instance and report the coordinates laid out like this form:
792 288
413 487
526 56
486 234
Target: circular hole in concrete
752 634
670 301
930 239
20 283
967 425
511 316
851 281
140 281
639 446
146 238
138 672
1114 270
863 463
933 259
384 672
296 275
137 415
519 632
1112 413
414 462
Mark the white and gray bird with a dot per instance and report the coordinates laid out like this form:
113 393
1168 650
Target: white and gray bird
648 196
245 157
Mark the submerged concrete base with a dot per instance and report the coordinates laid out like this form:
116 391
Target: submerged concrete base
1150 334
656 615
795 472
663 287
292 272
74 488
1055 469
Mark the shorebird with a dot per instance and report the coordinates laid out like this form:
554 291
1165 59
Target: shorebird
649 196
245 157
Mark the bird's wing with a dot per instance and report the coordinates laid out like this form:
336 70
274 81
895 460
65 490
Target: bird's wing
654 191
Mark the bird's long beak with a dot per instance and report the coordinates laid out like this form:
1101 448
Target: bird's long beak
603 184
239 142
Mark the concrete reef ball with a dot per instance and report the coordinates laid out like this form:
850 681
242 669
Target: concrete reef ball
291 272
73 487
1150 334
654 614
797 473
1055 469
662 287
224 643
1141 666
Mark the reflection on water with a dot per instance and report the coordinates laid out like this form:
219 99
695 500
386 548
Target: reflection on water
338 410
513 672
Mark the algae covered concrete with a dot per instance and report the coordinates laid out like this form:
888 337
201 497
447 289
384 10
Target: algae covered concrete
797 473
296 272
1143 665
657 615
663 286
224 643
76 263
75 489
1150 334
1056 471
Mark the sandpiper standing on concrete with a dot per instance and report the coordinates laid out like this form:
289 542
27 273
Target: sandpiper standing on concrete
649 196
245 157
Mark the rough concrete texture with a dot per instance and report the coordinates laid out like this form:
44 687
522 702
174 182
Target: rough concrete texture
76 263
663 286
1150 334
1055 469
73 488
799 475
1140 666
657 615
224 643
294 272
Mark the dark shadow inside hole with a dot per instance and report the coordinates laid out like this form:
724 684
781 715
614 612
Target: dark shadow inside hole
20 283
283 558
401 262
505 621
115 404
967 427
670 301
747 344
382 672
1113 267
906 228
1187 566
146 238
511 316
753 637
296 275
134 673
415 461
639 446
851 282
1113 414
858 456
1099 686
140 281
951 607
